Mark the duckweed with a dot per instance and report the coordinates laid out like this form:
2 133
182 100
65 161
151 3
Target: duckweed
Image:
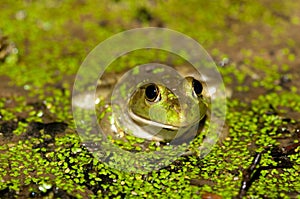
40 151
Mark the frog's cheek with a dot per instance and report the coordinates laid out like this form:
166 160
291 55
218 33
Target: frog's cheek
158 113
166 116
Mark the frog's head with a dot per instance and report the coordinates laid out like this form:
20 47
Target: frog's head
158 106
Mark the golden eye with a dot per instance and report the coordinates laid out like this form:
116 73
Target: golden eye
152 93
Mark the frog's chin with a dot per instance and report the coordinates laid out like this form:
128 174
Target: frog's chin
159 133
151 130
144 121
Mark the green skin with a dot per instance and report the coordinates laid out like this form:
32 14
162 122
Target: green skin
170 116
168 112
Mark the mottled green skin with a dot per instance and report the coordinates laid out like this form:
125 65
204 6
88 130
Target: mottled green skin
169 110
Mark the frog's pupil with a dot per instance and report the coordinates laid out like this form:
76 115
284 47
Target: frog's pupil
151 92
197 87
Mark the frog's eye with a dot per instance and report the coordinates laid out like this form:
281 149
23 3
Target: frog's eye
197 86
152 93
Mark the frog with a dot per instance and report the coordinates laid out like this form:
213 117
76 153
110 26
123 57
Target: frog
170 111
154 111
156 106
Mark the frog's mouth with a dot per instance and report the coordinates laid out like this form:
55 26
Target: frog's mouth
143 121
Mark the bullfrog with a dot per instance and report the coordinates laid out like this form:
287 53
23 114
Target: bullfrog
158 112
155 105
